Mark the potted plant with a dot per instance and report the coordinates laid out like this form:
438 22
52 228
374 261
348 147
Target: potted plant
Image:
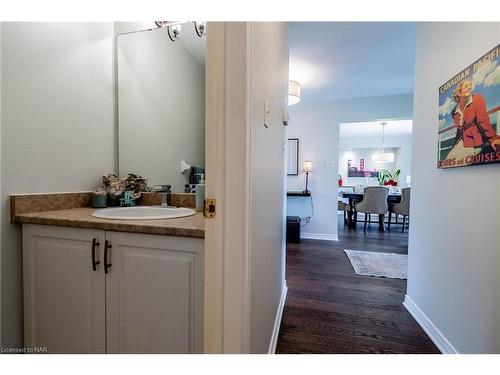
385 178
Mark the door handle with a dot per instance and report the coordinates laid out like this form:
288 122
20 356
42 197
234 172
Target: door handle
107 265
95 243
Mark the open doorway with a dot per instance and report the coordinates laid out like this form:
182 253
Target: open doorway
352 89
375 154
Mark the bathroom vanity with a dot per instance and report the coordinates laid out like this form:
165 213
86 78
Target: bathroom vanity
113 284
93 285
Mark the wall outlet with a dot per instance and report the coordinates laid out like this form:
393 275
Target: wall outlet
329 164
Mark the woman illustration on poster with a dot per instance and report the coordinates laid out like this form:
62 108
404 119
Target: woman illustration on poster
475 134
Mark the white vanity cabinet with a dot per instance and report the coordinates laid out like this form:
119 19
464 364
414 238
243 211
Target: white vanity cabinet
64 299
144 296
153 294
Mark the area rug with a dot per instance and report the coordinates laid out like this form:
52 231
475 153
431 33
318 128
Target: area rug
393 266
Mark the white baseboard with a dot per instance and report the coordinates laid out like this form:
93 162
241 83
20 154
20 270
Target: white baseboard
432 331
319 236
277 321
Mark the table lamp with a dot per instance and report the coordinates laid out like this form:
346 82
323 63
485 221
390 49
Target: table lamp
307 168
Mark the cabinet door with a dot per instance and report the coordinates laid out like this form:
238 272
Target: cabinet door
64 299
154 294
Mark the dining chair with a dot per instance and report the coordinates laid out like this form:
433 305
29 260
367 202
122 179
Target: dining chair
343 204
343 207
374 202
401 208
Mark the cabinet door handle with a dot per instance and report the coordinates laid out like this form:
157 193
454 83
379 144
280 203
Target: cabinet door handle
95 243
107 246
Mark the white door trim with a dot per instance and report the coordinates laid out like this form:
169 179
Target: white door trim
277 321
213 276
227 174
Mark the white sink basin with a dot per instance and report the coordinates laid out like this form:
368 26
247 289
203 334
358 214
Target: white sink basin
143 213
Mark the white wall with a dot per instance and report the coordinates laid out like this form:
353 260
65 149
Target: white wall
57 126
161 94
454 252
403 143
316 124
269 80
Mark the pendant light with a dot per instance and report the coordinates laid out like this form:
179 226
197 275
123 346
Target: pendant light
382 156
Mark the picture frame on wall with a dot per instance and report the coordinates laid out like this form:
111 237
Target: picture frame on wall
293 157
469 114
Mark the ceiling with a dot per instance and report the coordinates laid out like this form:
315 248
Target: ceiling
374 129
335 60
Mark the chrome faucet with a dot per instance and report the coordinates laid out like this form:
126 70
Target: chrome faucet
164 190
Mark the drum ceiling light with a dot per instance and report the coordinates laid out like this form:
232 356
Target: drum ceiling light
293 92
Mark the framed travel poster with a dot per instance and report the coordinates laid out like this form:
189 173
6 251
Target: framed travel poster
469 114
353 171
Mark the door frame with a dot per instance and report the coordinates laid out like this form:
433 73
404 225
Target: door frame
227 161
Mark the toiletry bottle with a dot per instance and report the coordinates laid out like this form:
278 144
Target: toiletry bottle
200 196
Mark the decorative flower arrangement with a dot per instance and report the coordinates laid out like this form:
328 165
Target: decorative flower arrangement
115 187
100 191
385 178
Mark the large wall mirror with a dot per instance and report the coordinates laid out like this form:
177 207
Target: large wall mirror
161 104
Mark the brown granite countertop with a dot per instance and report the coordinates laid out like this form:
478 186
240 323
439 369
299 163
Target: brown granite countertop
191 226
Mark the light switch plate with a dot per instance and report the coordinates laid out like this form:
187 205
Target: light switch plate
329 164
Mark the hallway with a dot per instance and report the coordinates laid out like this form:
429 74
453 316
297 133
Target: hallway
330 309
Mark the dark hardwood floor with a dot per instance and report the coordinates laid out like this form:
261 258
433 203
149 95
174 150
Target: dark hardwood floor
330 309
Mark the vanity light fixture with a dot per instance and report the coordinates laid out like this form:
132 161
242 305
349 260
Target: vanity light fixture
174 31
382 156
200 28
293 92
174 28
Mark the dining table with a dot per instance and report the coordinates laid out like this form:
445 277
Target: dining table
354 197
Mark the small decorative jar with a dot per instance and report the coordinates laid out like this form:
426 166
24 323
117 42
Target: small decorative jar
99 200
